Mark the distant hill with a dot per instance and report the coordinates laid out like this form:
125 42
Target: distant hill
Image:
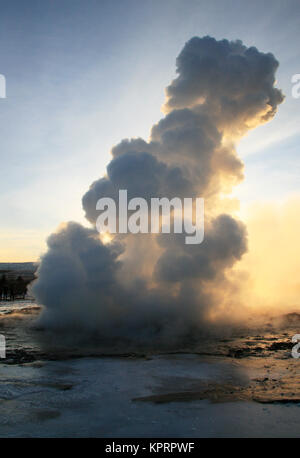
13 270
18 266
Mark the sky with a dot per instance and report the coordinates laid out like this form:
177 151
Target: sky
83 74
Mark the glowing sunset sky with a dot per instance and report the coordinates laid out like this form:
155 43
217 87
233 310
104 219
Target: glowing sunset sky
82 75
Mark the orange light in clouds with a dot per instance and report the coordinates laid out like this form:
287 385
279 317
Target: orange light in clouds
106 238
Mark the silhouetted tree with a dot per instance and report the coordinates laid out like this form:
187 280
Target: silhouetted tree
20 287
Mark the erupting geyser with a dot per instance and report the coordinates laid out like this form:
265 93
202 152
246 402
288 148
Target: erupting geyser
154 287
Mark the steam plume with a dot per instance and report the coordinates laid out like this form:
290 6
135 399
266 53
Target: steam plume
154 287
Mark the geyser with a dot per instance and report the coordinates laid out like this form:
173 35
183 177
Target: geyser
154 288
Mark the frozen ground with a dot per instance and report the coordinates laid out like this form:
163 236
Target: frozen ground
8 307
95 397
243 386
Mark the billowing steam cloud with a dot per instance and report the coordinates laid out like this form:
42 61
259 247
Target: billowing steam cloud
154 287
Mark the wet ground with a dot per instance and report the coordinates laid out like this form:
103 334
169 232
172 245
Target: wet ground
246 384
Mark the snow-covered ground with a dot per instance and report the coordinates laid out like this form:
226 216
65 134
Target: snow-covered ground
245 385
8 307
96 397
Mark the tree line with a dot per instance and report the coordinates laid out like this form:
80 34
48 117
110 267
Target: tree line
13 288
